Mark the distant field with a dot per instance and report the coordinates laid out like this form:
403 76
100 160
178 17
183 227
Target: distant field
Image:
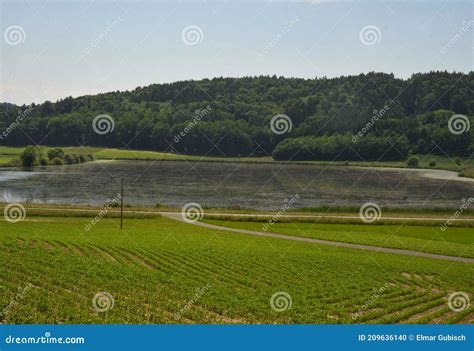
454 241
154 268
7 154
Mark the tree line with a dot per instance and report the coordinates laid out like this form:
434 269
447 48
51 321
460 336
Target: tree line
390 117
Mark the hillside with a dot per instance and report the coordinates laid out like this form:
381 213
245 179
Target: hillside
371 116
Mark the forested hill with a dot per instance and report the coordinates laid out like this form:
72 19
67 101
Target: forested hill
369 116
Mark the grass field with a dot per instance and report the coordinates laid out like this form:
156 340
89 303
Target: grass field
163 271
9 154
454 241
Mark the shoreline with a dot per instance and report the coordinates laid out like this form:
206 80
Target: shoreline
432 173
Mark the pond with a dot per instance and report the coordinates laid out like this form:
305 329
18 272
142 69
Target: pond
233 185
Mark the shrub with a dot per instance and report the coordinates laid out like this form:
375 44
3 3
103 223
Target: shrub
69 159
57 161
55 153
432 163
90 157
413 162
458 161
76 158
30 156
43 161
82 158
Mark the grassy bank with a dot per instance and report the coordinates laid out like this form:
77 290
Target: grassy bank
336 215
8 155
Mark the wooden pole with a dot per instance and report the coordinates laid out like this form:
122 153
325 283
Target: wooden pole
121 204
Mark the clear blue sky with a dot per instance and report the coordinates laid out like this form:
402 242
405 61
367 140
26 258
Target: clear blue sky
87 47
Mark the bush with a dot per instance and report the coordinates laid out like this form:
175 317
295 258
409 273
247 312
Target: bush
432 163
43 161
76 158
90 157
413 162
30 156
55 153
57 161
69 159
82 158
458 161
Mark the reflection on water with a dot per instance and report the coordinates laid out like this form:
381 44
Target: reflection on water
6 176
259 186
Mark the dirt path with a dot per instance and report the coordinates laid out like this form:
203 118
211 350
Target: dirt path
178 217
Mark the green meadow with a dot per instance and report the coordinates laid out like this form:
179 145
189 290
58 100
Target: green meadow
158 270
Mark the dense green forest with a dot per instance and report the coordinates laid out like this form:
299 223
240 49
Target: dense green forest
372 116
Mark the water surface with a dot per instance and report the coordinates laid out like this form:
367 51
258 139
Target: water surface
245 185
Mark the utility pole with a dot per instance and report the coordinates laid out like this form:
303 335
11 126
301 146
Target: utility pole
121 204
